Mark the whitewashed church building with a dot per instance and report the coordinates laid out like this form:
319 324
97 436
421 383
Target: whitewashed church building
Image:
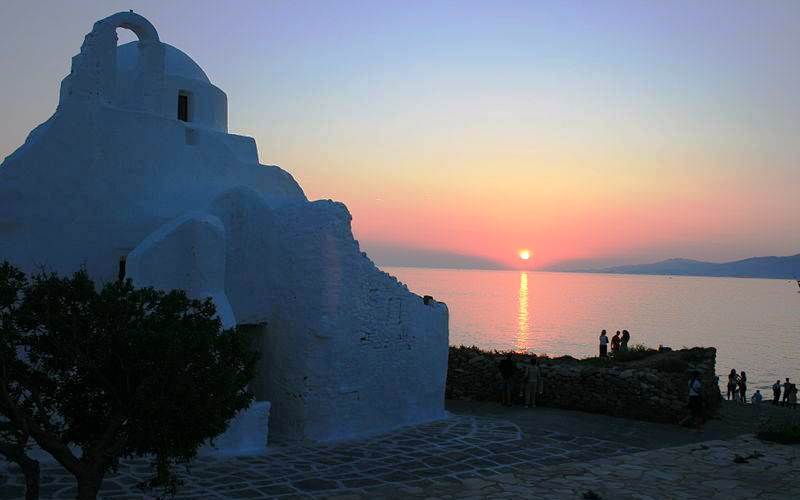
135 174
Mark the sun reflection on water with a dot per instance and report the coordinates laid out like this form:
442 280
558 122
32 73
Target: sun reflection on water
524 326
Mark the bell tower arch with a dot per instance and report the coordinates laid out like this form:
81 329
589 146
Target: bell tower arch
93 73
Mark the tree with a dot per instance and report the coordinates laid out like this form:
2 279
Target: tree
121 372
14 434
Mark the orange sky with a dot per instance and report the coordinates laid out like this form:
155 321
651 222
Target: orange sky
605 204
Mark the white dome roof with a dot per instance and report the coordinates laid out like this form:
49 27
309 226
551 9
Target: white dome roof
176 62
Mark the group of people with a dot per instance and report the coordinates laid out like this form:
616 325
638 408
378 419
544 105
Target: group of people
531 385
789 394
737 386
619 343
737 391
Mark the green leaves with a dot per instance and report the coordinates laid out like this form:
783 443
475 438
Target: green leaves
121 370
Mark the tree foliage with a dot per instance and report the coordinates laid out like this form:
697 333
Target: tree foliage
14 434
118 372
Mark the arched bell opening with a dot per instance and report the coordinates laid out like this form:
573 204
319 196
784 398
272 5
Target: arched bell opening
140 26
94 70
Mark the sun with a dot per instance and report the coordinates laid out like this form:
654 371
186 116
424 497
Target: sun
524 254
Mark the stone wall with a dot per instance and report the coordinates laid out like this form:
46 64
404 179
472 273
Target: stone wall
653 387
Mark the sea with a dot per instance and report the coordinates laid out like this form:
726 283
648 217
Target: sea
753 323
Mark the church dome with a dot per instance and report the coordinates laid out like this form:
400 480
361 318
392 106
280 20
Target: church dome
176 62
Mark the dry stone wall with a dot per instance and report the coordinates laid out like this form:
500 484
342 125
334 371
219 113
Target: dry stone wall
653 388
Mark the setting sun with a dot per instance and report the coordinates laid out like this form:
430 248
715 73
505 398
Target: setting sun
524 254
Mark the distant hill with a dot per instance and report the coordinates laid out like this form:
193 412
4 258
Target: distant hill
754 267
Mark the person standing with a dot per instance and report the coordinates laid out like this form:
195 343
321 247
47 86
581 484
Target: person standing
776 393
615 342
743 387
695 402
787 388
792 401
626 337
533 382
733 384
603 344
507 372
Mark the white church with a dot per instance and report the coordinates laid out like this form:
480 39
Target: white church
136 175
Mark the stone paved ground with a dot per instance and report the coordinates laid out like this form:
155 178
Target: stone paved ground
453 450
709 470
483 451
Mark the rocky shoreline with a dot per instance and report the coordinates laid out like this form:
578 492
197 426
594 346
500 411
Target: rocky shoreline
649 386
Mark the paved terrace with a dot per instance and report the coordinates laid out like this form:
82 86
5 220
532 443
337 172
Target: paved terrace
486 451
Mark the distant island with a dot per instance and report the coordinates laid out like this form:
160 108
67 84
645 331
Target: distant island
754 267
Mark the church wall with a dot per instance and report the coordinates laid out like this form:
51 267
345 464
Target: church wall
208 105
187 253
345 347
372 355
95 181
243 147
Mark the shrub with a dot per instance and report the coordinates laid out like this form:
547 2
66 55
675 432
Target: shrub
783 433
117 372
637 352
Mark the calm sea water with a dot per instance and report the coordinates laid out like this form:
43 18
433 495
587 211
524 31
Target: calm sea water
753 323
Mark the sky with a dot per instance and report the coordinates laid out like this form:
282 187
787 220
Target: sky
459 132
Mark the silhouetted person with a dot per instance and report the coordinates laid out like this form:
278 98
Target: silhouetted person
733 384
787 387
743 387
603 344
626 337
776 393
533 382
695 401
792 400
615 343
507 371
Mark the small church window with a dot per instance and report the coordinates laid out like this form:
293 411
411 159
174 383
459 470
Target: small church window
183 107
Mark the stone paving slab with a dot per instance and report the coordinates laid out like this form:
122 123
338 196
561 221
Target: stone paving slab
398 464
708 470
